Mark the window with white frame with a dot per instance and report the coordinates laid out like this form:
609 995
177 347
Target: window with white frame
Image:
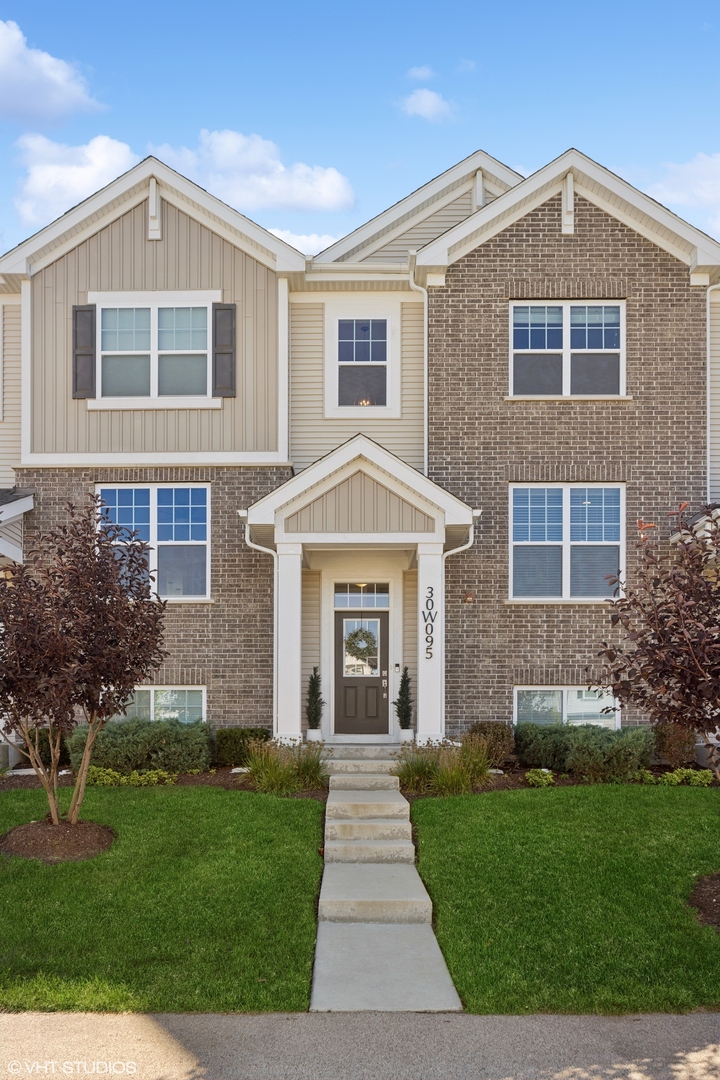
362 357
183 703
566 541
362 362
154 350
565 705
175 521
567 350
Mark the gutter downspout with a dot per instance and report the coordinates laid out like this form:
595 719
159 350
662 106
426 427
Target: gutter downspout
711 289
243 515
454 551
412 260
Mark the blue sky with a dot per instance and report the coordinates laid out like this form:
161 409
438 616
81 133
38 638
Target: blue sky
311 118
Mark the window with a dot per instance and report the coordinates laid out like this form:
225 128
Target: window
362 595
565 541
175 522
154 351
567 350
565 705
362 357
182 703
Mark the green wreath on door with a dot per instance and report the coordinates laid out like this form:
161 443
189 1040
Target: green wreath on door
361 645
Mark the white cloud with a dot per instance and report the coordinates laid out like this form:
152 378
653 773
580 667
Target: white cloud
59 176
308 243
421 73
694 183
246 172
466 66
428 104
35 86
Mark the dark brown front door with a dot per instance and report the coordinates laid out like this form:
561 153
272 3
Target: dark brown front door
361 672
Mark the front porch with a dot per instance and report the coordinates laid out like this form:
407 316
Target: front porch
359 541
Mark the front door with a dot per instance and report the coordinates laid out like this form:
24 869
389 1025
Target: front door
361 673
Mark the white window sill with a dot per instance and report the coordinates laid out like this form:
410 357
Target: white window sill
367 412
188 599
525 600
110 403
569 397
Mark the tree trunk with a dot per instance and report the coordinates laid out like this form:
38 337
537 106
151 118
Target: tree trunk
47 779
714 753
81 780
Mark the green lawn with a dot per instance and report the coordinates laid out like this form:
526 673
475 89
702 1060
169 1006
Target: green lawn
573 900
206 901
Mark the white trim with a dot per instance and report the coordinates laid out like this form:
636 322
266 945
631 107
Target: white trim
173 686
568 205
283 371
320 297
13 510
161 298
567 350
365 306
107 404
25 370
154 543
566 544
478 191
154 212
426 368
565 688
708 390
119 459
2 360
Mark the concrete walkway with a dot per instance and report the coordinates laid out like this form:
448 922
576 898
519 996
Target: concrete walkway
375 946
361 1046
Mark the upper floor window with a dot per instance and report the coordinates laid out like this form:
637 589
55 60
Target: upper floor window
154 352
567 350
565 541
362 362
362 357
175 521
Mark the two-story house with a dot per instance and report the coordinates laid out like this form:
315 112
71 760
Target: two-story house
426 446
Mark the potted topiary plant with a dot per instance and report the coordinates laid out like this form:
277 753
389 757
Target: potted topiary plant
314 707
403 707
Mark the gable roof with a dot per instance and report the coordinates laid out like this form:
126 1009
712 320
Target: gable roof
414 208
116 198
596 184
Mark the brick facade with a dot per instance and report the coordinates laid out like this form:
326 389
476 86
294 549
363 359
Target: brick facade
479 442
225 645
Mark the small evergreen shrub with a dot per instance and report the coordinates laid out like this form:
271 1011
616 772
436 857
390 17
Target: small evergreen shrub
314 703
404 702
539 778
644 776
231 744
692 777
675 744
593 753
137 745
97 777
497 738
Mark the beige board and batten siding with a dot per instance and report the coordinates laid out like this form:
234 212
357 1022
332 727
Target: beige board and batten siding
312 435
714 388
396 250
120 257
310 656
11 392
359 504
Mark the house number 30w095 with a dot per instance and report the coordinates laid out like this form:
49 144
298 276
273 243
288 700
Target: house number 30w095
429 615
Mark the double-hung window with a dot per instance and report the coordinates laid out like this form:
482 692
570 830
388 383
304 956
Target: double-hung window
566 541
362 358
175 521
565 705
567 350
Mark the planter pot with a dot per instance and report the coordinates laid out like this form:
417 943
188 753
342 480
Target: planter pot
313 735
407 735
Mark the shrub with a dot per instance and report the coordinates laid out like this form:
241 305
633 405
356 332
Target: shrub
314 702
539 778
497 738
474 757
272 768
675 744
231 744
109 778
310 766
644 776
452 775
416 767
692 777
591 752
137 745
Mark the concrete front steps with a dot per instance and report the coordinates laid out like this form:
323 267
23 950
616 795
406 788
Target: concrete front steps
375 947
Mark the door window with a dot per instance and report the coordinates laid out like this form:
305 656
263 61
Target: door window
361 646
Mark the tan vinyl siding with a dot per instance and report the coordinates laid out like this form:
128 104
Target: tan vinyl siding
410 628
359 504
310 628
311 434
189 257
715 396
13 531
423 232
11 369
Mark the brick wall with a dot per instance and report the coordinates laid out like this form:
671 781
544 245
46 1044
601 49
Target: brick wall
225 645
478 442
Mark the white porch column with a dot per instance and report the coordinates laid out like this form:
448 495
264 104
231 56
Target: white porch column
431 642
289 637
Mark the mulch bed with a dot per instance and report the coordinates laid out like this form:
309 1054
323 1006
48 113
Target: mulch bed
706 900
57 843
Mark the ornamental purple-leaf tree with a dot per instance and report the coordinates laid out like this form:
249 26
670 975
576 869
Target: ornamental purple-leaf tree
80 628
668 660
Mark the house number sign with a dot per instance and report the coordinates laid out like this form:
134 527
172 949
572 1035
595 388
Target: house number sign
429 615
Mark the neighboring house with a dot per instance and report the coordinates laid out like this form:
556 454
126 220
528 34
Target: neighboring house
427 446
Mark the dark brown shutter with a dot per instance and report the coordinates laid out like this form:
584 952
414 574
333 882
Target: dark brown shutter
84 351
223 381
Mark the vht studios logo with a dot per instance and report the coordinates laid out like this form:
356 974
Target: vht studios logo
71 1068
